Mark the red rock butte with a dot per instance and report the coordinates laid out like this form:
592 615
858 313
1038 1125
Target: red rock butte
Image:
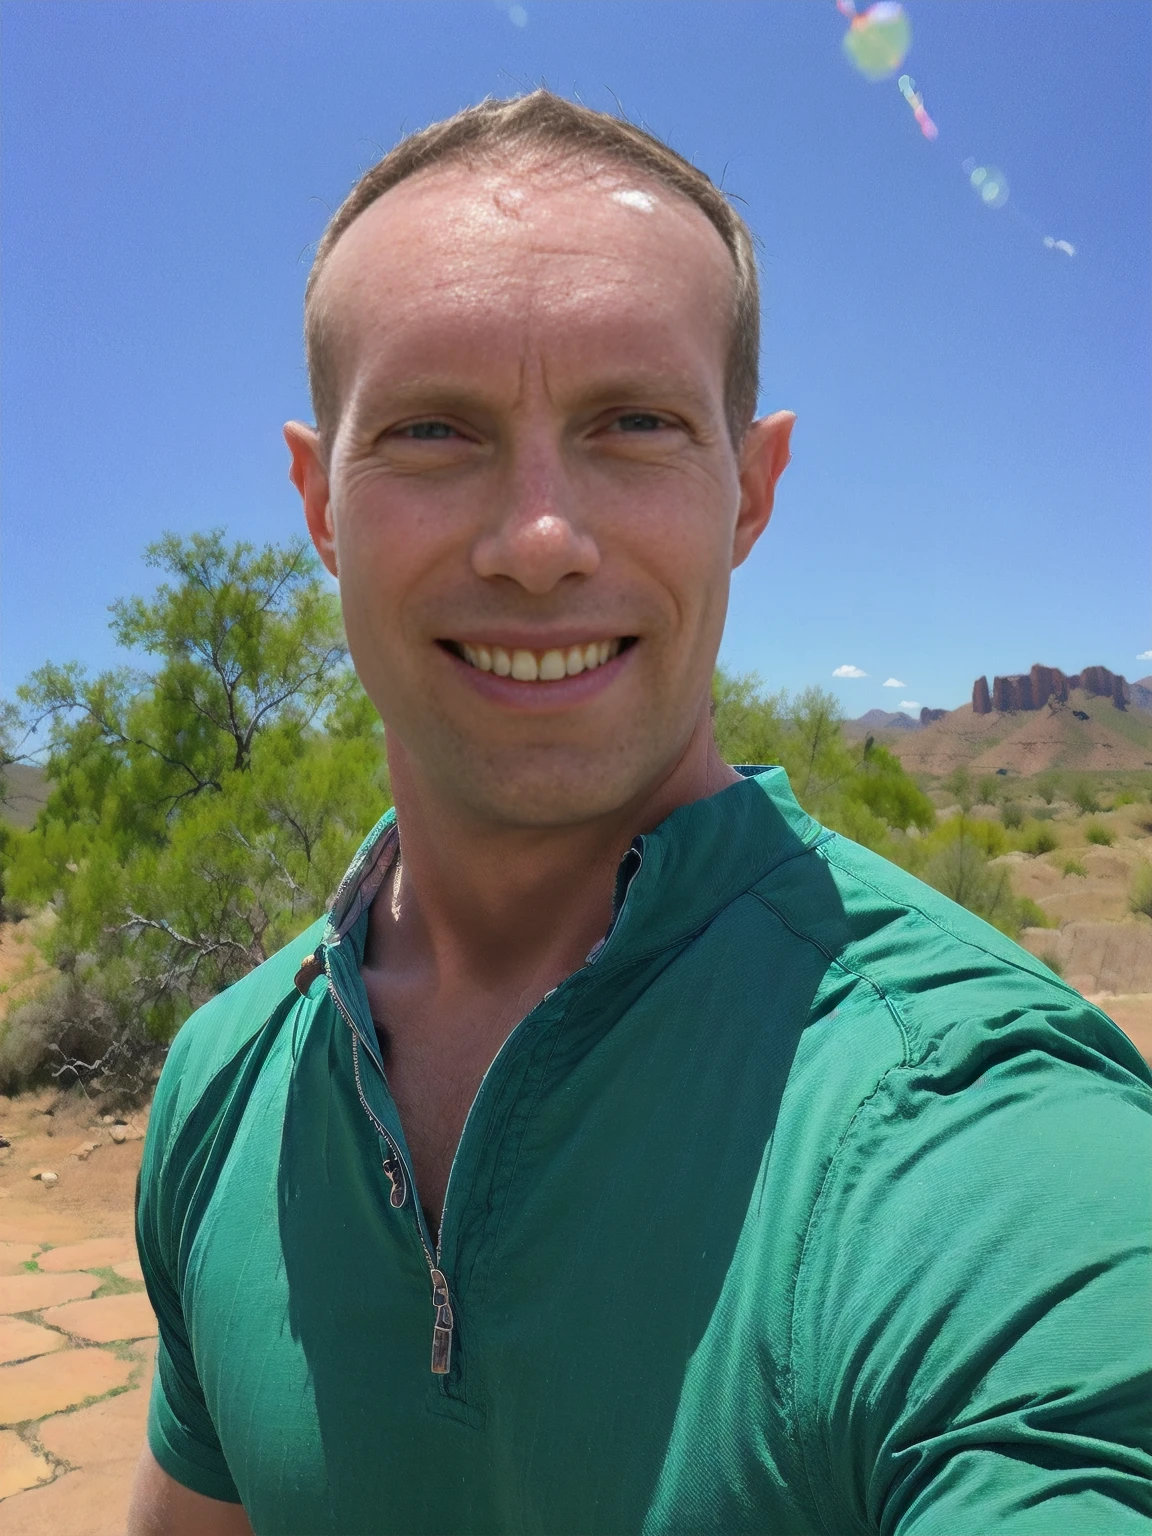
1043 685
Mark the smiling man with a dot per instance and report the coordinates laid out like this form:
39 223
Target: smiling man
623 1152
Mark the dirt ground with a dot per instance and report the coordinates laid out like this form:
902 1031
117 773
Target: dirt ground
77 1336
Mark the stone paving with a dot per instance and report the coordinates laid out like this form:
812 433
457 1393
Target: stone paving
77 1345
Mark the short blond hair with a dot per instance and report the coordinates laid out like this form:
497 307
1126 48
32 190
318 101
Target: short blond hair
542 123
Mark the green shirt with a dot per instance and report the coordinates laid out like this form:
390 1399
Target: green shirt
810 1203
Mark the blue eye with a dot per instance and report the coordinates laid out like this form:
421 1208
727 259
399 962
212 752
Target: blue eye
429 431
639 421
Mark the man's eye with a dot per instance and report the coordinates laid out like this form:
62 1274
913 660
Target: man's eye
640 421
428 431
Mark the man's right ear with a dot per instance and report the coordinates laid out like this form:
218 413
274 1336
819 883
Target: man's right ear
309 474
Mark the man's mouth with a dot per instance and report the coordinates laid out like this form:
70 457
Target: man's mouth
546 666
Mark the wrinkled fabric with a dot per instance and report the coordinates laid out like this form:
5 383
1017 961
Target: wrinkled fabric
811 1204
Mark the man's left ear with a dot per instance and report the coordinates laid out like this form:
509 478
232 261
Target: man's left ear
764 456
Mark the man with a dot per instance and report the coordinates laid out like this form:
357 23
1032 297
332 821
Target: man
624 1152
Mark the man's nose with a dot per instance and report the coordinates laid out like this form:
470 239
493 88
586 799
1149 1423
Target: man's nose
537 535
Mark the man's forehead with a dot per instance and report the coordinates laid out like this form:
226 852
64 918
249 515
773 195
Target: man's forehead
461 232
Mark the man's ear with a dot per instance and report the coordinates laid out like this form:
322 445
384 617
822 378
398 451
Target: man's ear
764 456
309 474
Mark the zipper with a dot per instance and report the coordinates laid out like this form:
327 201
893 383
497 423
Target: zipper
395 1166
400 1177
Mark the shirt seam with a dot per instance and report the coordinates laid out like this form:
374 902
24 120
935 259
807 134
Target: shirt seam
959 938
815 1217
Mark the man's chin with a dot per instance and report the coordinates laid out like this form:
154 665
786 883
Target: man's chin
548 790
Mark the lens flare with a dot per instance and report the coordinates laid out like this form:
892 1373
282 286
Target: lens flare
910 94
878 39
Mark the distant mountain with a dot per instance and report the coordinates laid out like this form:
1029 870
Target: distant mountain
1043 685
1081 731
1140 694
881 720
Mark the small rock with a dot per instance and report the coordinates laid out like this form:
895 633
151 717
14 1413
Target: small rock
119 1133
4 1142
105 1119
49 1178
120 1120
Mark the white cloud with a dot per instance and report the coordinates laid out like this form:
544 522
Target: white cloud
1144 656
909 704
1059 245
894 682
516 14
848 671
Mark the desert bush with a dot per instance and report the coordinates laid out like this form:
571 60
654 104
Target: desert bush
1125 797
1037 840
73 1033
1043 813
956 859
1140 894
1073 867
988 789
1099 834
1047 787
1084 798
1012 814
959 785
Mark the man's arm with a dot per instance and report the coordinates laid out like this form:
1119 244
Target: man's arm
163 1507
972 1343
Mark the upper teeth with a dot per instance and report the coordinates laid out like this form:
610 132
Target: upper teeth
540 666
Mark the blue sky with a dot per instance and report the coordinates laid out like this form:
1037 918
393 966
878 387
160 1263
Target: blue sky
970 485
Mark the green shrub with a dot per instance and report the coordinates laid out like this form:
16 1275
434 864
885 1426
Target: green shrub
1125 797
956 859
988 790
1030 914
1073 867
1099 834
959 784
1012 814
1037 840
1046 787
1140 896
1084 798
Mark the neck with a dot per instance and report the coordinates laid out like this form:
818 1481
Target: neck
499 907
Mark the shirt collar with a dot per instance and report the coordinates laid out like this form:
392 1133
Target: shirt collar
671 882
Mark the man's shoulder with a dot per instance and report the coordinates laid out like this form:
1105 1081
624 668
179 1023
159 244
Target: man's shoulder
949 981
218 1033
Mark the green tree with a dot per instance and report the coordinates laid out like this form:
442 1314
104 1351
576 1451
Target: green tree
200 813
859 788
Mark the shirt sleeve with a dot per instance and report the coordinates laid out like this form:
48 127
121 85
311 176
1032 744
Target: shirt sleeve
181 1435
971 1342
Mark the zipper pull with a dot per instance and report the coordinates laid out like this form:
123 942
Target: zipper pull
394 1168
442 1330
310 967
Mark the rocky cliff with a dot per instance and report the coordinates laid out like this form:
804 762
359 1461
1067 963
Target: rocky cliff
1043 685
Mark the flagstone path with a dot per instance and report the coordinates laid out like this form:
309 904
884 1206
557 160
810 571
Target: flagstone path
77 1335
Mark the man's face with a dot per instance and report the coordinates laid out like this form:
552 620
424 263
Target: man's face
532 500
